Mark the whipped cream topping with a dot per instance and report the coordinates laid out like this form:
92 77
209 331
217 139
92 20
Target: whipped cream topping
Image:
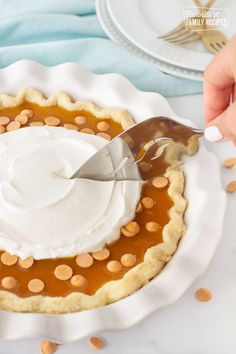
44 213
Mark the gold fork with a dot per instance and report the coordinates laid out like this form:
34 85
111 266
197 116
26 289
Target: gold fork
182 35
213 40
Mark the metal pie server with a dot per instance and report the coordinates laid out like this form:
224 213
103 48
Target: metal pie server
133 154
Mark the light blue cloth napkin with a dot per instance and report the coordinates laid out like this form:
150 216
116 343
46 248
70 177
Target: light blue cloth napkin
56 31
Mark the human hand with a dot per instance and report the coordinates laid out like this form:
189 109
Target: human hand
219 94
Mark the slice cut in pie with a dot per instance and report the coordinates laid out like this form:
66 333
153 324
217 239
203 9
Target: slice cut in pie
75 244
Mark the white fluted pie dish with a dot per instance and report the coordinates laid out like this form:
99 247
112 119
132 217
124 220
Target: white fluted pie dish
204 216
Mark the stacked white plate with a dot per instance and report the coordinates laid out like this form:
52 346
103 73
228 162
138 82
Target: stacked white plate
137 24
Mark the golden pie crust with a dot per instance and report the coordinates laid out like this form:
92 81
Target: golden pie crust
155 257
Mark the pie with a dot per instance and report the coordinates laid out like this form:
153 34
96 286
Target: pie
63 249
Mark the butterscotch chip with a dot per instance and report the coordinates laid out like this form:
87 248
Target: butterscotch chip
101 255
152 226
87 131
8 259
80 120
28 112
228 163
63 272
97 343
4 120
35 285
133 227
114 266
26 263
2 129
160 182
52 121
22 118
231 187
79 281
13 126
139 208
126 232
84 260
128 260
103 126
47 347
104 135
36 124
147 202
203 294
70 126
9 283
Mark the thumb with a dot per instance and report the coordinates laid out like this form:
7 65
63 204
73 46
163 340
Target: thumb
223 127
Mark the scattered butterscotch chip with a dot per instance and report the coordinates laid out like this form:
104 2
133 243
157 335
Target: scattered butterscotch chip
139 208
8 259
104 135
152 226
126 233
160 182
147 202
36 124
63 272
28 112
52 121
22 118
84 260
9 283
203 294
133 227
145 166
101 255
71 126
87 131
228 163
80 120
47 347
35 285
13 126
79 281
231 187
2 129
128 260
97 343
103 126
114 266
4 120
26 263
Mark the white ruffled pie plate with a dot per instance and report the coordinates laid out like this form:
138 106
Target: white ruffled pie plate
204 217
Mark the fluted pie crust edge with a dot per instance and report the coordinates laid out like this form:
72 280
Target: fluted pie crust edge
155 257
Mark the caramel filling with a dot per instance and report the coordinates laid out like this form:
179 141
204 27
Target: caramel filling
152 215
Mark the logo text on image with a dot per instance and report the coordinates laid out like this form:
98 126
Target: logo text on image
204 18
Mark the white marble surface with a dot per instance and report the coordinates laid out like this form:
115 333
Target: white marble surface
188 326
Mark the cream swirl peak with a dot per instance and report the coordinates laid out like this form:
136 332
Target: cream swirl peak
45 214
